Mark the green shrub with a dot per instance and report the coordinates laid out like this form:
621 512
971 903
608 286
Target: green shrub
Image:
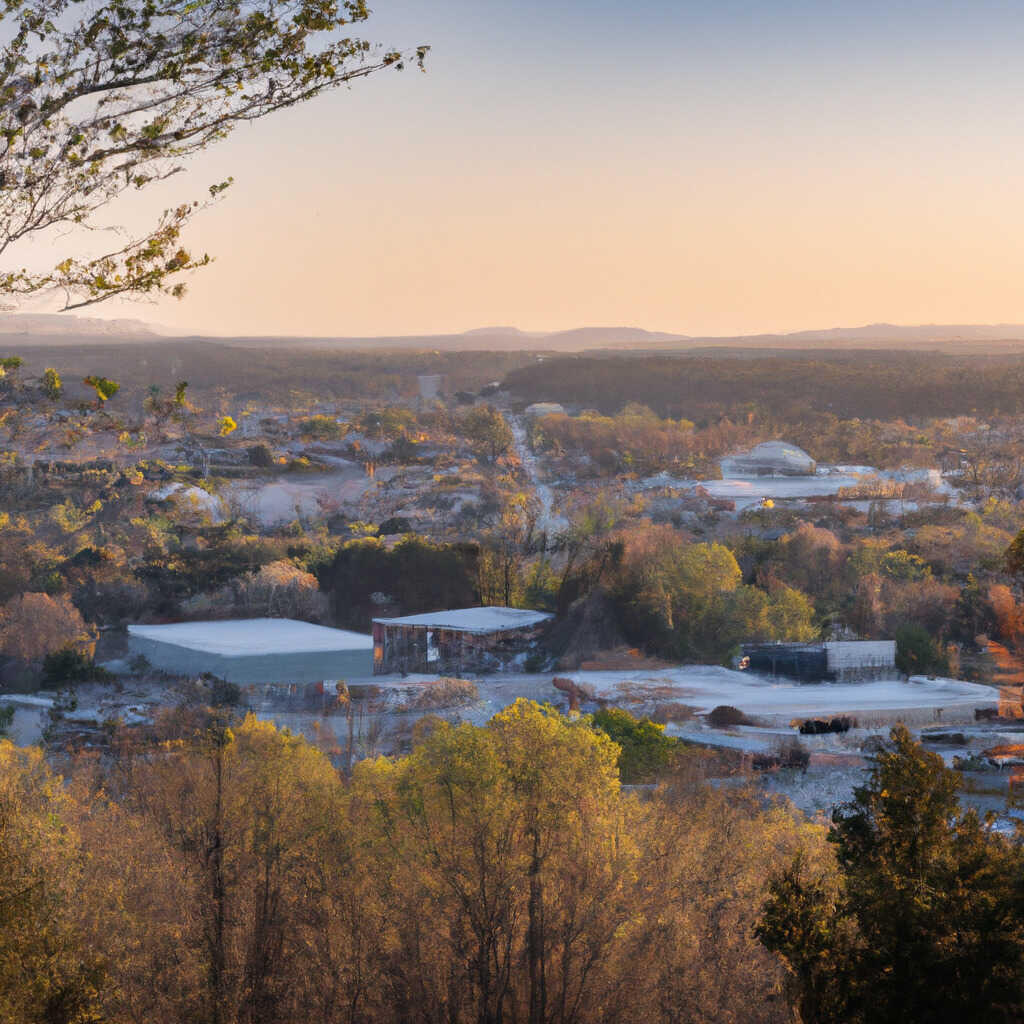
323 428
69 665
646 750
918 654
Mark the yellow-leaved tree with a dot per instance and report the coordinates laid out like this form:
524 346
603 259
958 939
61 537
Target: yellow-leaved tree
225 873
48 972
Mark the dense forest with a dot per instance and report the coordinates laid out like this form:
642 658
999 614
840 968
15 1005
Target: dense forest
269 374
870 385
222 871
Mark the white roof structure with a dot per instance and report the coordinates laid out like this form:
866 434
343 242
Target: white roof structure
473 620
255 636
769 458
255 650
545 409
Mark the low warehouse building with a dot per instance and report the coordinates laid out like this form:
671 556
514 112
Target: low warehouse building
466 640
839 661
255 650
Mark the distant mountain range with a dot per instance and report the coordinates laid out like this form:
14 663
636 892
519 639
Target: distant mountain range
58 329
636 339
60 325
919 334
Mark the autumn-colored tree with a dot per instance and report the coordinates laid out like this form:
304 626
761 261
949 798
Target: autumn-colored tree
48 971
487 430
688 600
789 616
249 811
35 625
281 589
589 548
976 542
926 603
225 873
1008 614
510 842
715 851
811 559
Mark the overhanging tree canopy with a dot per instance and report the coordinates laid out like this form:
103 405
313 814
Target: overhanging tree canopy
101 99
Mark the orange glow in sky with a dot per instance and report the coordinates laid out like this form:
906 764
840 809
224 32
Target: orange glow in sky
706 169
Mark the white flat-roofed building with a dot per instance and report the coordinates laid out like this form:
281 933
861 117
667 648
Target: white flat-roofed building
255 650
460 640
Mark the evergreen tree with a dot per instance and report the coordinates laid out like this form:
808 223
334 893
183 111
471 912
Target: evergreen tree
932 894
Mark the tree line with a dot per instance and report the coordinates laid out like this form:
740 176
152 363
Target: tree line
224 872
874 385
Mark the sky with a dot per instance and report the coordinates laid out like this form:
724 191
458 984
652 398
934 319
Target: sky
705 168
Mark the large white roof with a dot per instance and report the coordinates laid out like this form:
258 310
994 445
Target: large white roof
242 637
473 620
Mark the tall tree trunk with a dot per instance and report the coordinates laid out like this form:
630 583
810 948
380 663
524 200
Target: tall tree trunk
218 957
535 936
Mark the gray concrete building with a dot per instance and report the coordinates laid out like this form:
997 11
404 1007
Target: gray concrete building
255 650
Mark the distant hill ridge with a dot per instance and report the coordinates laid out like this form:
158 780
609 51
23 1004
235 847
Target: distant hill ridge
63 329
57 324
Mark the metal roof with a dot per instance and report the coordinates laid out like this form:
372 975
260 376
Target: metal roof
473 620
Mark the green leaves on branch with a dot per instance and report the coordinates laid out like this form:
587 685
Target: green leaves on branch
104 387
99 100
143 267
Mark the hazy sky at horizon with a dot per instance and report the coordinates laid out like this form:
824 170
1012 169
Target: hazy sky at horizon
708 168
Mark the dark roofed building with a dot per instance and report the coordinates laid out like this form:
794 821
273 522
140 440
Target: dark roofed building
831 661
